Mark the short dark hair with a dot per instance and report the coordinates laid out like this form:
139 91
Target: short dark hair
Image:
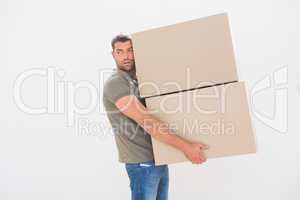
119 38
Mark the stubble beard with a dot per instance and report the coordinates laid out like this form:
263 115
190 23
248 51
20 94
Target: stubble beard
124 68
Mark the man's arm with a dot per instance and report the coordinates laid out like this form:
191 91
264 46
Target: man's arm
131 107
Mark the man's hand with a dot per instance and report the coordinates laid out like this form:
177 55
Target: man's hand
194 152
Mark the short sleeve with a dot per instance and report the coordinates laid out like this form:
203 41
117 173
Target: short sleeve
116 88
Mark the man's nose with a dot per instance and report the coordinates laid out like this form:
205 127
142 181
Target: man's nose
127 56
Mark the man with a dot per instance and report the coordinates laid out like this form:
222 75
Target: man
133 127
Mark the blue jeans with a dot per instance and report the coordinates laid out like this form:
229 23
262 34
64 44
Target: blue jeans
147 181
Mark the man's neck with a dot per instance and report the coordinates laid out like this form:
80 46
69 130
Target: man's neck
131 73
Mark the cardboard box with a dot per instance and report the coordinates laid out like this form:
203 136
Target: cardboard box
177 67
217 116
185 55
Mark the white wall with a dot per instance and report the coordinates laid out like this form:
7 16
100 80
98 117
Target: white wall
45 156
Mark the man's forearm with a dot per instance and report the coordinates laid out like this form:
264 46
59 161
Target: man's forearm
173 140
159 130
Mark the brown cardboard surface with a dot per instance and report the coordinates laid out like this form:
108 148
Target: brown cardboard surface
184 55
217 116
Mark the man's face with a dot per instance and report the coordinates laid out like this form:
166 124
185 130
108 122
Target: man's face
123 55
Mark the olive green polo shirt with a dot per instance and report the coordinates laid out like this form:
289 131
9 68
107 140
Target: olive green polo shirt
133 142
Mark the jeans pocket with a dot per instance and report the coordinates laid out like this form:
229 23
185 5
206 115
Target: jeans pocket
134 168
147 164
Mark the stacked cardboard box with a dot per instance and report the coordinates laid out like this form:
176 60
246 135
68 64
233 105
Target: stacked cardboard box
187 73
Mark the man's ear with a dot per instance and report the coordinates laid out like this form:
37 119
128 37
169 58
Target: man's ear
112 53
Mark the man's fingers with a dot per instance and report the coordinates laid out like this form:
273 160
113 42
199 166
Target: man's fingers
203 157
199 161
204 146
